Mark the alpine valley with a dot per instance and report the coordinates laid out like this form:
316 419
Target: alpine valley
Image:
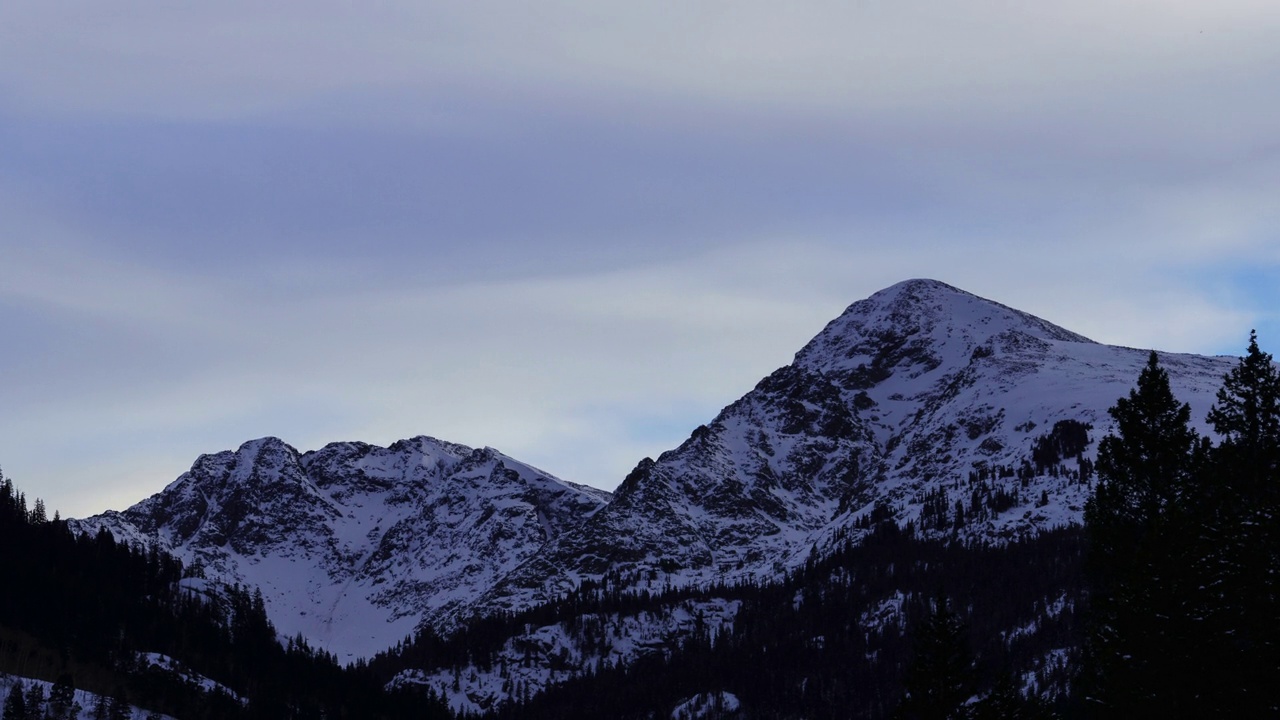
927 442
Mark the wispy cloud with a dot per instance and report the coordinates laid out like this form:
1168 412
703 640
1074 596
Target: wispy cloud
573 231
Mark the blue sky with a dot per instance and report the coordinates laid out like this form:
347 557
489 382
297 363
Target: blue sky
573 231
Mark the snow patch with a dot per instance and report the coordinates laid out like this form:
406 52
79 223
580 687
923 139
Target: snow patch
706 705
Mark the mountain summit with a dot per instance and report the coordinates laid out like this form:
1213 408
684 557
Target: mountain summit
922 323
354 545
915 398
922 403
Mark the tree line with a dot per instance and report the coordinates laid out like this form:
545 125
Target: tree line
82 611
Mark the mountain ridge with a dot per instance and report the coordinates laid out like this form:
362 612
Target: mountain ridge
908 391
914 399
412 529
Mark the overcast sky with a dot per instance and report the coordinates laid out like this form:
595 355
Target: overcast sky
575 230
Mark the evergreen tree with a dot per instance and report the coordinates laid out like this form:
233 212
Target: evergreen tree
1137 657
940 678
35 702
39 515
1247 414
1239 555
15 706
62 698
101 711
1145 468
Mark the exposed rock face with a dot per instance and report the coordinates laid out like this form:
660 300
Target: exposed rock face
354 545
922 402
896 403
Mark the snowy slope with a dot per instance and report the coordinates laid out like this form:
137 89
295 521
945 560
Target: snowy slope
540 657
354 545
84 702
897 401
954 382
934 361
914 399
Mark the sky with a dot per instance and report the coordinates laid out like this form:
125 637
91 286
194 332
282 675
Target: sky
573 230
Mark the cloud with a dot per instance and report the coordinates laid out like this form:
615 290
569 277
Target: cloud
574 231
236 59
581 375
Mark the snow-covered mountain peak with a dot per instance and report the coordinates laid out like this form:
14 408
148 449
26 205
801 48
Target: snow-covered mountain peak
918 391
354 545
922 403
917 325
265 460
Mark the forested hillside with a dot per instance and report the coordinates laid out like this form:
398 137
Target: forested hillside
839 639
129 623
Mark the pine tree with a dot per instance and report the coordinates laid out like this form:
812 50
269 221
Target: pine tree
1145 469
100 708
35 702
940 678
1239 555
1137 657
39 515
62 697
1247 413
15 706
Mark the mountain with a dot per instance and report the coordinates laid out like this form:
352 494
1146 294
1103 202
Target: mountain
354 545
915 398
923 404
87 621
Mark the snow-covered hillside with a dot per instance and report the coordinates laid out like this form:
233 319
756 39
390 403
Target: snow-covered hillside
77 705
543 656
912 399
923 403
354 545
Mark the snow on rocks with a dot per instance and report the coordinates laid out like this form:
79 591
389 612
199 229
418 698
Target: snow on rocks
540 657
923 404
82 703
168 664
354 546
706 705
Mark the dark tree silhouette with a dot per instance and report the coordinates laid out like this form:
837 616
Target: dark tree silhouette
1239 550
1184 553
1138 525
940 678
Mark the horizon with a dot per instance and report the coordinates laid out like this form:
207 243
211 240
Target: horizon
575 234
